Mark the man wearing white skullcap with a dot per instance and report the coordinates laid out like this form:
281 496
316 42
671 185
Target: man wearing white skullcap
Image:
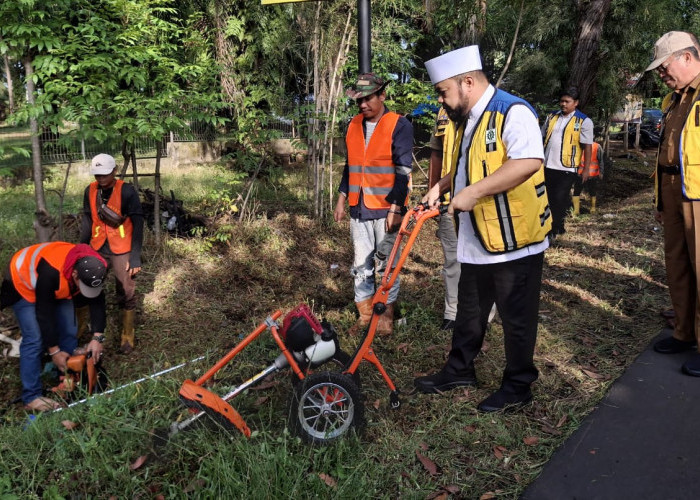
500 202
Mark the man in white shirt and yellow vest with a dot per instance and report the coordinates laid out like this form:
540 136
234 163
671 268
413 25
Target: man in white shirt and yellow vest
677 196
500 201
567 134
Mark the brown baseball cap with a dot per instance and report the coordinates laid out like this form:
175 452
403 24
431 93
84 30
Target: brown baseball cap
366 84
671 42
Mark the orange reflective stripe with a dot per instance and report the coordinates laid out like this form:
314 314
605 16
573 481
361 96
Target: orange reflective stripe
119 237
24 263
371 167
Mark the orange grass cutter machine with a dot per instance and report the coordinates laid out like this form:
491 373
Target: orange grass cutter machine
325 404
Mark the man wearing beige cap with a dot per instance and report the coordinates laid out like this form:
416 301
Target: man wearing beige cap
677 192
113 225
500 202
375 183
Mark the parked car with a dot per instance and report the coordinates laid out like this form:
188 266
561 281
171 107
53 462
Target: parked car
651 119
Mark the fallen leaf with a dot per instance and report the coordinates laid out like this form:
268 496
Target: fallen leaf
434 347
562 421
531 440
403 347
487 496
592 452
498 451
429 465
68 424
550 430
452 489
139 462
195 485
593 375
377 403
328 480
268 384
261 401
470 428
437 495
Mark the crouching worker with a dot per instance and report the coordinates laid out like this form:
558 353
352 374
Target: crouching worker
40 284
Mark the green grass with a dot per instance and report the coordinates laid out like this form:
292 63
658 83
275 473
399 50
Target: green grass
601 294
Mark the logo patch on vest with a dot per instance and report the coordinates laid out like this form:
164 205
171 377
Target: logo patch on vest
491 140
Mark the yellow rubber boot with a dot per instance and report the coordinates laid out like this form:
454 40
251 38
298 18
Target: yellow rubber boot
577 204
127 342
593 204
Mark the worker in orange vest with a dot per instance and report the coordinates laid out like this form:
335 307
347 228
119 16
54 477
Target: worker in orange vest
595 173
41 283
375 183
113 225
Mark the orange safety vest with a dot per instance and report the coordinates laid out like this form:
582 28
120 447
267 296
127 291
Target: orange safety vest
594 169
119 237
24 263
371 169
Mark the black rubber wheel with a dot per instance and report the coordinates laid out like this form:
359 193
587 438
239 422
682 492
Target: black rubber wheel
337 363
325 407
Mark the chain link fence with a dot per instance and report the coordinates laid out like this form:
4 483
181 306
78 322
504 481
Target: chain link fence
58 149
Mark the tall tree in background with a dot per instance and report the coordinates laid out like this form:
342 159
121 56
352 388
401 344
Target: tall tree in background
585 58
29 29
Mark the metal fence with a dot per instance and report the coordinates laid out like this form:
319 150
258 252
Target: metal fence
57 149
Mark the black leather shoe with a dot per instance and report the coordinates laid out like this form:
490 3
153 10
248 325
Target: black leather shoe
447 324
692 366
501 400
442 381
671 345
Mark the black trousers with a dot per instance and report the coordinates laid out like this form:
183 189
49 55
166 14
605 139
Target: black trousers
515 287
558 185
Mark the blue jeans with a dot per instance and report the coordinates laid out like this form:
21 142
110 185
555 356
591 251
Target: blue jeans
32 346
366 239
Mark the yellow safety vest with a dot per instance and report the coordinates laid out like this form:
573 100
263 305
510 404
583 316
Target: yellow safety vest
689 149
515 218
571 149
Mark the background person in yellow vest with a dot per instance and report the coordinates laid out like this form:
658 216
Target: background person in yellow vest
441 145
677 195
113 225
567 133
41 283
498 173
375 184
595 173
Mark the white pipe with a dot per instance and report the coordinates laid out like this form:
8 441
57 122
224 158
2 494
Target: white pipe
142 379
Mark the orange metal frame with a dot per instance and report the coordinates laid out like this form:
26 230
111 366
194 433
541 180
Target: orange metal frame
201 398
410 228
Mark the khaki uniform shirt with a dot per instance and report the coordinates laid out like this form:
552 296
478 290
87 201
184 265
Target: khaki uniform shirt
674 120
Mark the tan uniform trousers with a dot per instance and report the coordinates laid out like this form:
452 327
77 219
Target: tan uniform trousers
681 220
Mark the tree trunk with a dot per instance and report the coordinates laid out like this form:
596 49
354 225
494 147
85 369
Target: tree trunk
9 82
512 45
43 226
156 198
584 53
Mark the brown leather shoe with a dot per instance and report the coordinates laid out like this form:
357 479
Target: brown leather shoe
364 309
